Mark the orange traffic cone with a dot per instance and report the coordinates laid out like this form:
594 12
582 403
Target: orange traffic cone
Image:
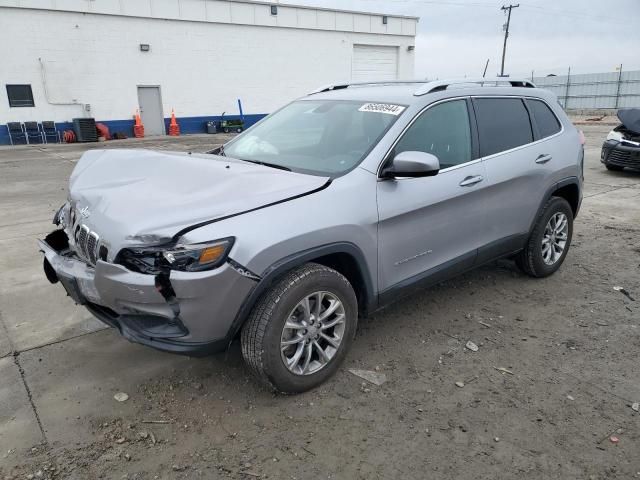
174 128
138 128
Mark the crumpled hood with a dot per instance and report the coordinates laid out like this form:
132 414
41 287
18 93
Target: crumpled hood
135 197
630 118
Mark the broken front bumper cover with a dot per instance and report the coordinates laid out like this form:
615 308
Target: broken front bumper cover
208 301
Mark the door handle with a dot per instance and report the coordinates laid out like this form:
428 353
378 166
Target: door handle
544 158
468 181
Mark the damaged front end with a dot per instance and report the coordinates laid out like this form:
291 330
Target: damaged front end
174 297
622 147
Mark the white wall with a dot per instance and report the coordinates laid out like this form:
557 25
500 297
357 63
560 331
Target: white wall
202 67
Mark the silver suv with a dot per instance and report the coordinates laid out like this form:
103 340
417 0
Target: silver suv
329 209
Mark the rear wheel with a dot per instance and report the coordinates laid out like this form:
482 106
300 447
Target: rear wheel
549 242
301 329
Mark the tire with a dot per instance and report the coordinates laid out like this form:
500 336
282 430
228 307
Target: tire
613 168
238 130
531 259
226 130
264 330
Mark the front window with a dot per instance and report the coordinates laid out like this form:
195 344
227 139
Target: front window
321 137
442 130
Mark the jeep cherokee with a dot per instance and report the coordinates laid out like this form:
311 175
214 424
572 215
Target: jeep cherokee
328 209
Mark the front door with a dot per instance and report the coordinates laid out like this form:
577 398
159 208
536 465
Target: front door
434 224
151 110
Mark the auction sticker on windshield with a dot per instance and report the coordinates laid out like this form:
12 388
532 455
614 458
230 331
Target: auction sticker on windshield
382 108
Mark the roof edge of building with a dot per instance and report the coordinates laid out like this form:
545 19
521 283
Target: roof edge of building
327 9
179 15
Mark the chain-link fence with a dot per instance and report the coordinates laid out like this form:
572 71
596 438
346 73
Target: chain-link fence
594 90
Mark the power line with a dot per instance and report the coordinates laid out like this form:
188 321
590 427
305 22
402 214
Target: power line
506 33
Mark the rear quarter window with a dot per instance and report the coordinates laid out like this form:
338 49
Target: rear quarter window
503 124
545 119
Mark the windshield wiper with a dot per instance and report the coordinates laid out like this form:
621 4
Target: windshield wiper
266 164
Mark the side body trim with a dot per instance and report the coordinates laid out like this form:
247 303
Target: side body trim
428 278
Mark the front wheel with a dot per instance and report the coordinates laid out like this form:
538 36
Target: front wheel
301 329
549 241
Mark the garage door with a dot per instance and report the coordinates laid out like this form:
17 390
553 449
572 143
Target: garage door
372 62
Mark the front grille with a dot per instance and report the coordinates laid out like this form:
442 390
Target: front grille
92 247
83 234
624 158
88 244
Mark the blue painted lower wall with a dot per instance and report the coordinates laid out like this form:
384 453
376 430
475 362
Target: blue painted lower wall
187 125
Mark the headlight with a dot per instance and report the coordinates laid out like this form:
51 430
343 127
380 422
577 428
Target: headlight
617 136
59 217
183 257
198 257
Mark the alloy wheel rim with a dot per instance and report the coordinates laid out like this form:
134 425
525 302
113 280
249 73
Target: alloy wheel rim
554 239
312 333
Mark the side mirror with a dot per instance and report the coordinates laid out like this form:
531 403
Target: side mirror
412 164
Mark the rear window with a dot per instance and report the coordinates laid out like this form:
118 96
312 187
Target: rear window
545 119
503 124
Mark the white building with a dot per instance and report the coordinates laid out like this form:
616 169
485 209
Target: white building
64 59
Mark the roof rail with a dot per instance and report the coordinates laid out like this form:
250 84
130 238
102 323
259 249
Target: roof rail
339 86
439 85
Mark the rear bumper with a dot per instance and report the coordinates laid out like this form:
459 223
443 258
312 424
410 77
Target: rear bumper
198 322
620 155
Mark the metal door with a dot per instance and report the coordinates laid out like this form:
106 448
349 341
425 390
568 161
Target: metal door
430 222
374 62
519 170
434 223
151 110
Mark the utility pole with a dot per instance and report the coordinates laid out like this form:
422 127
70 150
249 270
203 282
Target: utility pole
506 33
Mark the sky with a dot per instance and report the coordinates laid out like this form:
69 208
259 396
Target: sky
456 37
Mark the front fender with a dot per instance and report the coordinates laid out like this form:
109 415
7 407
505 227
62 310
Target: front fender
280 267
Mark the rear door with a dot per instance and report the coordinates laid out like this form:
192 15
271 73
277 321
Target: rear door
518 169
432 226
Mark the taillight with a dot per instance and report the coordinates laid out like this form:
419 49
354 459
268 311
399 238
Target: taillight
583 140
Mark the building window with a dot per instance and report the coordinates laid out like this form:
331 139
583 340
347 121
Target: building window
20 96
274 10
385 20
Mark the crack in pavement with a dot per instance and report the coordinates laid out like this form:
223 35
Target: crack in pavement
16 361
633 187
62 340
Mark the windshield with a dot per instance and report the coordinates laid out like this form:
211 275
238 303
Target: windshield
321 137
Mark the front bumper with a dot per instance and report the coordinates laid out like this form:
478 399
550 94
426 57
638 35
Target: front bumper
620 154
198 322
